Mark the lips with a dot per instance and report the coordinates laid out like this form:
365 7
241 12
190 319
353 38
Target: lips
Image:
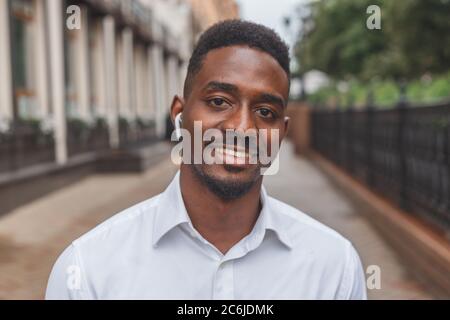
235 156
233 153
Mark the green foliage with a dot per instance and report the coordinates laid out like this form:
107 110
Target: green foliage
339 41
414 40
386 93
78 124
324 96
420 32
123 123
429 90
34 124
78 128
438 89
100 122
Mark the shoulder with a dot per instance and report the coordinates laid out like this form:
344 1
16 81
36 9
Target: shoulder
302 225
311 237
117 238
122 223
325 250
104 248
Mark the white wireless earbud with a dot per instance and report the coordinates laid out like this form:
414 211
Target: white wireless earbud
178 121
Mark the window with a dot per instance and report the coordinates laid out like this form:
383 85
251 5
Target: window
93 53
23 60
70 51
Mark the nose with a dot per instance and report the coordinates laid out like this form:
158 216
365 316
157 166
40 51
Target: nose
241 119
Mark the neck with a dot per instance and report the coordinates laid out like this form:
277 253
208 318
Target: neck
222 222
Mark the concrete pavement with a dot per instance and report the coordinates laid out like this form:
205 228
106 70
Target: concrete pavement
32 236
303 185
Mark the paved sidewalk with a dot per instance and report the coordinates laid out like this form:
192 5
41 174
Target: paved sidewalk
31 237
301 184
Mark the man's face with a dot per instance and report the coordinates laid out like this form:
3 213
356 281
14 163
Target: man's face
237 88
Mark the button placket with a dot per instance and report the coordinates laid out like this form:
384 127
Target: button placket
224 281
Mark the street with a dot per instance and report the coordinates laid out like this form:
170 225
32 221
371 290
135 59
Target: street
32 236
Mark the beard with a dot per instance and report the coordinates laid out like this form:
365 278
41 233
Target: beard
226 189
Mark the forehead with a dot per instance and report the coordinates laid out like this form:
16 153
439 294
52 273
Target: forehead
249 69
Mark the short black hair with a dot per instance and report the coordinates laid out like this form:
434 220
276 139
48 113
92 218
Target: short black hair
237 32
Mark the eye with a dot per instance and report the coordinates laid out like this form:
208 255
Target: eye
217 102
265 113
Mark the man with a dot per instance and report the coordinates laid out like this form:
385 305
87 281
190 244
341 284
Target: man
214 233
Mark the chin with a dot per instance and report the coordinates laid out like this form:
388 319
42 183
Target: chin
227 181
228 172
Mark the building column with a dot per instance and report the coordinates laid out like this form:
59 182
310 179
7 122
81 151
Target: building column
110 80
167 82
159 90
140 78
137 71
128 43
6 87
83 81
122 90
150 85
99 69
174 79
182 72
42 78
56 52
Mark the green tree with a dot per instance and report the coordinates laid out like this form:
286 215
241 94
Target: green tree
414 39
336 40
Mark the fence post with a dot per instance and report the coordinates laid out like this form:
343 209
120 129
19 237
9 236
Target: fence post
402 108
338 135
349 136
369 139
447 161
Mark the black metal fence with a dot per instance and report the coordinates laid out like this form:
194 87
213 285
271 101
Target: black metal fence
403 153
82 138
25 145
136 134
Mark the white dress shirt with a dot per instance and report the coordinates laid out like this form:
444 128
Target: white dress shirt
152 251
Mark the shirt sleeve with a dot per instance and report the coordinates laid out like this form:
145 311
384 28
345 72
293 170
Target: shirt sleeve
356 281
67 279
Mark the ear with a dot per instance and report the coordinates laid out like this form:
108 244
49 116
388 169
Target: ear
176 107
287 121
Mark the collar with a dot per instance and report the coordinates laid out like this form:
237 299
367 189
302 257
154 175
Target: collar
171 212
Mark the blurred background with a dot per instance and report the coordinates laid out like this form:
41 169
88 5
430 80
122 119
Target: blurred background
85 90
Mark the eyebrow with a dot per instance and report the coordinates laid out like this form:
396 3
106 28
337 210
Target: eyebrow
232 89
270 98
222 86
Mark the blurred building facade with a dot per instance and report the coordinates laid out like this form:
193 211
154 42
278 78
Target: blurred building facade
86 75
207 12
